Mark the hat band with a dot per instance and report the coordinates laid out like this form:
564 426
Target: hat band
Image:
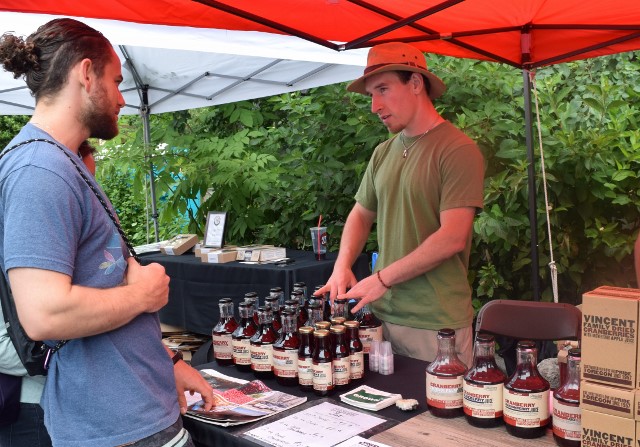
371 68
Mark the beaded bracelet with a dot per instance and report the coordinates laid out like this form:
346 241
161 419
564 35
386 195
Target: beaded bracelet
382 282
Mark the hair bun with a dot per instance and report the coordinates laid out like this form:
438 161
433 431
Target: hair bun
17 56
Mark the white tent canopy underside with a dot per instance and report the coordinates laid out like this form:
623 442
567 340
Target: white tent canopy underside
185 68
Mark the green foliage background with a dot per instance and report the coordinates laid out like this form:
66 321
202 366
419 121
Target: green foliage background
276 164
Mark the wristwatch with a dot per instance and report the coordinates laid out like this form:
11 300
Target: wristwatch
177 356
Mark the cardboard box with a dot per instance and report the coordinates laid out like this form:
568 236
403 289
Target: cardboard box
260 253
217 256
610 336
605 430
179 244
605 399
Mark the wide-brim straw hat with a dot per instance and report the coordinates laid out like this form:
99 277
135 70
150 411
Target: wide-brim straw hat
397 56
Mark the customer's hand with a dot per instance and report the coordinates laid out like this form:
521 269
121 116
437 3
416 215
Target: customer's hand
150 284
189 379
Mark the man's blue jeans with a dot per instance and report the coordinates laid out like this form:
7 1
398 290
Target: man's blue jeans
28 430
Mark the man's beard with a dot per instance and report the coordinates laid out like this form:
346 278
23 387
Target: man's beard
97 119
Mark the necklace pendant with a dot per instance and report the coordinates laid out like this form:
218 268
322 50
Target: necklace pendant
404 153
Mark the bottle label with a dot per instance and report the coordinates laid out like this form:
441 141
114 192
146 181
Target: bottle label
261 357
222 348
526 410
322 376
241 351
482 401
305 372
285 363
356 365
341 371
444 392
367 335
566 420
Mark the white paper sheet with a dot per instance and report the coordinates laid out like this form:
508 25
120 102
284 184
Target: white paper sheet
324 425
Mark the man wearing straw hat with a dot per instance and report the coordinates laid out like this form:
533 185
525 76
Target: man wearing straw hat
423 187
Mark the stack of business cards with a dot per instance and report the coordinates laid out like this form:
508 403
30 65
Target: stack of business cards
369 398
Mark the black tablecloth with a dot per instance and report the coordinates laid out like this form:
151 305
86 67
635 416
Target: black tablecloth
408 379
197 286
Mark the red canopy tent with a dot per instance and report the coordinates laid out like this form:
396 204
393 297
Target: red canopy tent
526 34
521 33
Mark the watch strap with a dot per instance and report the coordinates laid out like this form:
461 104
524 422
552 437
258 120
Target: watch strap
177 356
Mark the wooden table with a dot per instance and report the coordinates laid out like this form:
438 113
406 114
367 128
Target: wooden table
425 430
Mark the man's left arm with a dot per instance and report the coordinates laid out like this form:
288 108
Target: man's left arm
456 225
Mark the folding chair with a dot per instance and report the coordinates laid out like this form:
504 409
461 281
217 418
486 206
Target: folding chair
530 320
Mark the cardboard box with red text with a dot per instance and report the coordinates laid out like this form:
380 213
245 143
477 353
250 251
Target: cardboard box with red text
605 430
610 336
607 399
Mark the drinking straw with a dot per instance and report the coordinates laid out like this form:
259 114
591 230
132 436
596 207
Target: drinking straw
319 235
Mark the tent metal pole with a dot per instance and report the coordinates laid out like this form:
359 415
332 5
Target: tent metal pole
144 113
531 179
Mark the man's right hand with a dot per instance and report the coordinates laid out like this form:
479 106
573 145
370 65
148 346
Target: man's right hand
340 280
150 282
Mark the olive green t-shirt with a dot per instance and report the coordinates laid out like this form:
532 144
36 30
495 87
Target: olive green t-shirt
443 170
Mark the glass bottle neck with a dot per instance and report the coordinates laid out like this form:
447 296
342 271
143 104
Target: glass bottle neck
265 317
484 350
288 323
526 357
573 369
226 310
245 312
446 346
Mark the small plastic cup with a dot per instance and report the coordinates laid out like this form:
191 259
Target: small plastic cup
374 356
385 358
319 242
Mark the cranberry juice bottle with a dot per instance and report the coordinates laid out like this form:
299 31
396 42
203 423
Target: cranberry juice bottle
241 336
444 378
262 345
221 333
526 396
322 362
305 361
340 352
285 351
298 296
370 327
273 302
483 386
252 297
356 352
566 405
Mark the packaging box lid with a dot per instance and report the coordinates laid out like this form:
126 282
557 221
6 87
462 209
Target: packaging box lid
179 244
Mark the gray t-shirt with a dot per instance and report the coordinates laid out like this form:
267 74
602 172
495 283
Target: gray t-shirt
102 390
